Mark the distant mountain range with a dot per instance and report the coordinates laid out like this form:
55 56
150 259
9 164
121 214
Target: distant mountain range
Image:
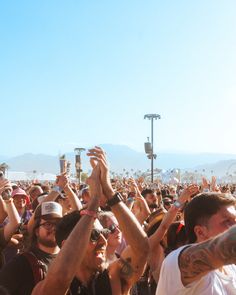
122 157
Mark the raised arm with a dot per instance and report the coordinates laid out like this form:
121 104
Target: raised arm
73 199
156 256
144 211
170 216
3 213
198 260
67 262
14 219
132 262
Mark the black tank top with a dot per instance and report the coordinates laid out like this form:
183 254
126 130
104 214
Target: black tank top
99 285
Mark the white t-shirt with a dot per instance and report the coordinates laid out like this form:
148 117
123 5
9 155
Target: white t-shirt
214 283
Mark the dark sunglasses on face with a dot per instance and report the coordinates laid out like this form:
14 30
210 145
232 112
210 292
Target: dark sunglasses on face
168 203
96 233
112 228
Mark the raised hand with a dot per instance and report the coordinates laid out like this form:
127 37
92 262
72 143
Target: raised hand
214 187
94 179
5 185
205 184
62 180
98 155
188 192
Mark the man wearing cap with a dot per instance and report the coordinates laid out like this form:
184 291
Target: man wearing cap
21 274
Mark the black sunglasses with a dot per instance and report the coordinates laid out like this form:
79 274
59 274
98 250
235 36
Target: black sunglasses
112 228
96 233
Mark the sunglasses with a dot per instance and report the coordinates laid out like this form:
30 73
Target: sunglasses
112 228
96 234
168 203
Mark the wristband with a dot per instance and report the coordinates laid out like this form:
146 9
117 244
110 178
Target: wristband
117 198
178 205
57 189
90 213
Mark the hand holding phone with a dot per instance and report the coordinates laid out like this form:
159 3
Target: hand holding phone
5 187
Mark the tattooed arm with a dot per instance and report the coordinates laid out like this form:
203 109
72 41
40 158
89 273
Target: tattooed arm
197 260
130 267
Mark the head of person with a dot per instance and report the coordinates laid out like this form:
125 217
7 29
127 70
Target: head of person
95 258
39 200
150 197
176 236
35 191
85 195
209 214
167 202
46 217
172 190
20 198
109 221
154 220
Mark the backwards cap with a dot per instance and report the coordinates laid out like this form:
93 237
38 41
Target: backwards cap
48 210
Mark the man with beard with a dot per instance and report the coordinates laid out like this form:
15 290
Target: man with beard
21 274
80 267
151 199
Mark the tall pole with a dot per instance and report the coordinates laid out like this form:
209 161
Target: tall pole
152 150
78 166
151 155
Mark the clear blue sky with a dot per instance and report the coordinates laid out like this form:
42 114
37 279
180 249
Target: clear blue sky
79 73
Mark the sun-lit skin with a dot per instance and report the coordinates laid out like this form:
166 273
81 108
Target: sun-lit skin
94 260
151 199
217 224
215 247
20 203
114 239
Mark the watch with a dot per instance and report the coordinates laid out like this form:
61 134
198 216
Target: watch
57 189
177 204
117 198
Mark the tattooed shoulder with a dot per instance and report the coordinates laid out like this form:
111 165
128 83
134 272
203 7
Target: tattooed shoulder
126 269
196 261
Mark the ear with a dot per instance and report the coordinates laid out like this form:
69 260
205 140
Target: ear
201 232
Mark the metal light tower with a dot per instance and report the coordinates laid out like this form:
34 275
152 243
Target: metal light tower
151 155
78 166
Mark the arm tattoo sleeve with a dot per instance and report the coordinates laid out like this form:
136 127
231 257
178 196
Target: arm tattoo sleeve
198 260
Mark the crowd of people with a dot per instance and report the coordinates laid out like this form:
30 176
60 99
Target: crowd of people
117 236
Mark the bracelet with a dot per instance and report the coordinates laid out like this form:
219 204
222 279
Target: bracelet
178 205
57 189
90 213
117 198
